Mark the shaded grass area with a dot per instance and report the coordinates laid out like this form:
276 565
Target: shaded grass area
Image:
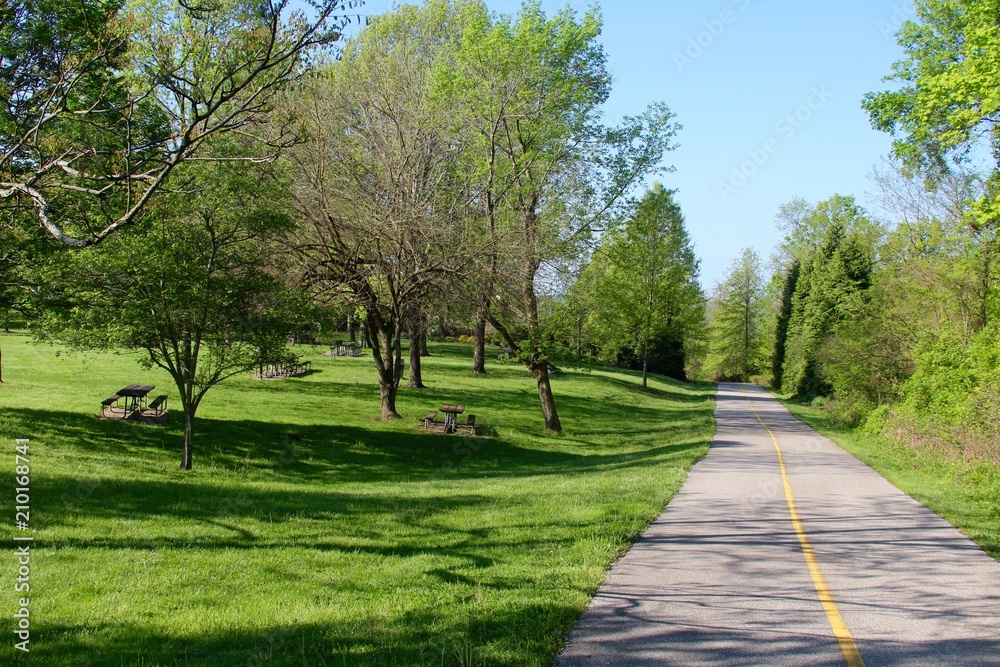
966 494
311 533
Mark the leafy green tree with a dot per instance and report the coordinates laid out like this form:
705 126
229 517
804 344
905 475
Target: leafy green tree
646 287
105 99
835 242
867 357
198 285
737 320
548 173
841 269
19 247
379 183
946 106
925 287
946 99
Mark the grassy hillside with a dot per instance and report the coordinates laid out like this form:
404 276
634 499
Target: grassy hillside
309 532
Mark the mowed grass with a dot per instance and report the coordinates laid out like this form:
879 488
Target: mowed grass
965 493
311 533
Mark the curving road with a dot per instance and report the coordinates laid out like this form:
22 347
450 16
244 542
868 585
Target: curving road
822 563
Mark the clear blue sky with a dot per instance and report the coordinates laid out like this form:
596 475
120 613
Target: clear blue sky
733 79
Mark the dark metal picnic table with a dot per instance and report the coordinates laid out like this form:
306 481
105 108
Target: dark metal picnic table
344 349
451 412
135 395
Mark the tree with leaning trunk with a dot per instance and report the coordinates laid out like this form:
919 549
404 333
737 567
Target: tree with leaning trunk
548 173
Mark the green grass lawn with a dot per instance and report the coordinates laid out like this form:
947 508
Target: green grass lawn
311 533
967 494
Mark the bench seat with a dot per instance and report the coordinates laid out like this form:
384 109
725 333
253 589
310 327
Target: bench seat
429 419
469 426
158 403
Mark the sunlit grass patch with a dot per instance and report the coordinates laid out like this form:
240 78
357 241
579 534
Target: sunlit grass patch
311 533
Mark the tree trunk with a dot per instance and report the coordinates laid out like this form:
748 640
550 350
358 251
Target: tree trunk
416 382
387 388
579 343
424 352
388 361
479 354
645 363
541 374
188 436
397 361
350 330
387 392
538 368
983 315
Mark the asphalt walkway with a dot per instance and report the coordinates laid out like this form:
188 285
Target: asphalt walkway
822 563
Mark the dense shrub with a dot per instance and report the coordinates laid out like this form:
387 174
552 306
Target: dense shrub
952 400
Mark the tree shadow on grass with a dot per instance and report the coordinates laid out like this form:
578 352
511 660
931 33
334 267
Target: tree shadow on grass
515 406
495 635
518 634
248 450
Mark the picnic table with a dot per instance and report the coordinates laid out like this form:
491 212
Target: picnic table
135 397
129 404
343 349
450 423
451 412
287 366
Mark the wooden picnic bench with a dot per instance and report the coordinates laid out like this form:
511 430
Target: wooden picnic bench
432 424
341 348
156 413
109 403
159 404
283 368
467 426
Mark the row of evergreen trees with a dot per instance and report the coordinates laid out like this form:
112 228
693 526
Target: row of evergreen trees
829 252
895 319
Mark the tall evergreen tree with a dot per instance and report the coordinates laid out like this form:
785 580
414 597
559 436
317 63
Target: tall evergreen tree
645 283
784 318
737 325
838 264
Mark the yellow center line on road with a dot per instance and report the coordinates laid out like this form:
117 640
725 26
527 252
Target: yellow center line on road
840 631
